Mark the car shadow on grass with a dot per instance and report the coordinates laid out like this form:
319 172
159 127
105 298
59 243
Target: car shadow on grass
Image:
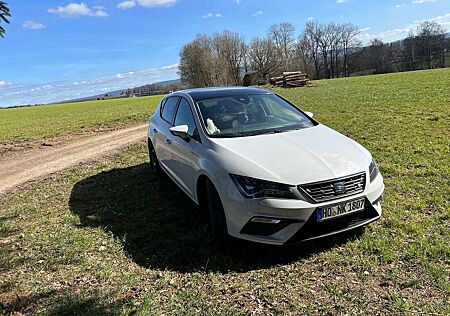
161 228
58 303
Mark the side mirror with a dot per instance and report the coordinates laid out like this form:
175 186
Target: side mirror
310 114
180 131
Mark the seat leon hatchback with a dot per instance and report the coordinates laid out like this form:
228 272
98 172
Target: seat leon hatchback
264 170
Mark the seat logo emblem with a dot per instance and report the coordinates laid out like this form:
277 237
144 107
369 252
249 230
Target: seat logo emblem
339 188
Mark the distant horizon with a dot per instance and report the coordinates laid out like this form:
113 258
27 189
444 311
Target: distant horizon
54 52
89 97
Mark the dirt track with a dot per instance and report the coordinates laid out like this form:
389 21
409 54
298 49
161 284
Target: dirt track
37 163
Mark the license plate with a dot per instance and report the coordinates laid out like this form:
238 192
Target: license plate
338 210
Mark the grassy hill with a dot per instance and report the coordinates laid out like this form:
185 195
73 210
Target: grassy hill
51 120
110 238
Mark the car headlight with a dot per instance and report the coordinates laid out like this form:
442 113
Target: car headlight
373 170
255 188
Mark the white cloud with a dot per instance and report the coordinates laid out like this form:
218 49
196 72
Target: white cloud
366 37
402 32
341 1
125 75
171 67
396 33
387 36
32 25
4 83
126 5
17 94
365 29
443 20
212 15
400 5
156 3
422 1
257 13
75 10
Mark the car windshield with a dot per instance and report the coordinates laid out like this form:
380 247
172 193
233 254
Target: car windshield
246 115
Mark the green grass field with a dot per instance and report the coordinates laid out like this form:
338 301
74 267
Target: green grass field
52 120
109 238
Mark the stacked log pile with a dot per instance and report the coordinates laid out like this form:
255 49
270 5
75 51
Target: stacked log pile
262 82
291 79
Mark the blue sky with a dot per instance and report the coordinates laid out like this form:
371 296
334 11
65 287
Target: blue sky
58 50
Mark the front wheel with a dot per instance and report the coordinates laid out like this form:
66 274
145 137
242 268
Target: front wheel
154 163
217 221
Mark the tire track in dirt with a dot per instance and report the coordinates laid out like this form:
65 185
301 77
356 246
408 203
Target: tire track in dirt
38 163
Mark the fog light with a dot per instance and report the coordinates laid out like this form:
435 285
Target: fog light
266 226
265 220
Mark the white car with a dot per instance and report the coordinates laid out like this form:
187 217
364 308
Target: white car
263 169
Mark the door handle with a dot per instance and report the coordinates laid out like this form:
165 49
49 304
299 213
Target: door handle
168 141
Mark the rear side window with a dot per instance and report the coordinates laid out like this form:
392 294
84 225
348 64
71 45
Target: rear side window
169 109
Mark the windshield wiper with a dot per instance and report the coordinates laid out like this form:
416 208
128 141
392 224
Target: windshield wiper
253 133
276 131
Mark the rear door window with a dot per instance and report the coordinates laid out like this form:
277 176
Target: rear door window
169 109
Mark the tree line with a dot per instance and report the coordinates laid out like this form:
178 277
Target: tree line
426 48
329 50
155 88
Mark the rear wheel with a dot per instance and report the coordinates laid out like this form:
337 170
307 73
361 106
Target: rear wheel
217 221
154 163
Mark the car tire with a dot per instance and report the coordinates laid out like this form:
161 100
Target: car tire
155 168
217 220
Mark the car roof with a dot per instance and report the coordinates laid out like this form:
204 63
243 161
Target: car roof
217 92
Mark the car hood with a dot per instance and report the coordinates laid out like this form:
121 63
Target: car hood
294 157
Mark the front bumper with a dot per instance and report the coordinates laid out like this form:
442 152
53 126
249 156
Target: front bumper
293 220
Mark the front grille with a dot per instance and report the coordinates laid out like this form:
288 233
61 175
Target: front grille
334 189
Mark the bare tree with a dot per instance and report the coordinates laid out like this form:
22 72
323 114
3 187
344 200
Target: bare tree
4 15
230 50
408 52
283 36
334 34
350 43
430 39
309 45
328 48
324 44
212 61
196 59
304 57
264 58
378 57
